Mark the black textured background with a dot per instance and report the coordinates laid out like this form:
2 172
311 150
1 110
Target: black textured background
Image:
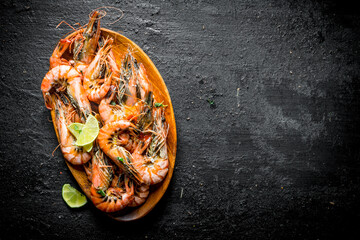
276 156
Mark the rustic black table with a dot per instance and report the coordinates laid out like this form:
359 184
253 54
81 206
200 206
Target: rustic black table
266 99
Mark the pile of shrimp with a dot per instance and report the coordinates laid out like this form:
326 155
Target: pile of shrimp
130 152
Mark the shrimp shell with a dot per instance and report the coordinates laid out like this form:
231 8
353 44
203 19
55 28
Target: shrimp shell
109 143
140 195
108 193
72 153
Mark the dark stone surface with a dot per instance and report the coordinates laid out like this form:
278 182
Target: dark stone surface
276 155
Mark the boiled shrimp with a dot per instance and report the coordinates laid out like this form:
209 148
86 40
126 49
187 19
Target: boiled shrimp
139 83
145 87
64 115
109 193
154 165
98 77
57 80
145 119
113 65
111 142
128 80
56 57
85 44
152 169
110 111
64 78
141 192
133 85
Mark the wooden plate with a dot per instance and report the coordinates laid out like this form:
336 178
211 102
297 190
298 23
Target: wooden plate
120 47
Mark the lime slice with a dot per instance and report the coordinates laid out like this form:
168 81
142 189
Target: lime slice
75 129
89 132
88 147
73 197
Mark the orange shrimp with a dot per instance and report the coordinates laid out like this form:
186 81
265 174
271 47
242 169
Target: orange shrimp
85 44
56 57
117 106
145 97
113 65
110 111
108 193
65 78
107 110
129 80
154 166
145 87
152 169
64 113
141 193
57 79
145 119
110 142
96 87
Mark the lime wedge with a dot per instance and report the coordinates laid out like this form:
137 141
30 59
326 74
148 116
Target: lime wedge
88 147
73 197
75 129
89 132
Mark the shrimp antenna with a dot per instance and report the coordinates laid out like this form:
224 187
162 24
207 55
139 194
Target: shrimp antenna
66 24
55 149
103 13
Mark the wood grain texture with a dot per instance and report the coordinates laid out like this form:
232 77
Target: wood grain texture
120 48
